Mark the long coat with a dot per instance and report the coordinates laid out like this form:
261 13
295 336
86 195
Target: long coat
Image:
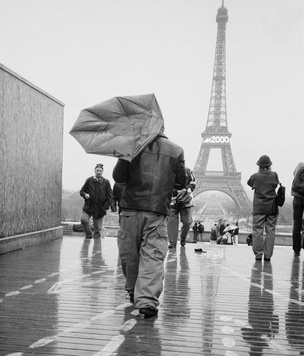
264 183
101 196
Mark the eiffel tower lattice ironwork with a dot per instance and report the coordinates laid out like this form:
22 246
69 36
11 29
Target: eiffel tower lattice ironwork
216 134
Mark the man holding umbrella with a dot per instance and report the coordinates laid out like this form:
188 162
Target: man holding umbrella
131 129
142 238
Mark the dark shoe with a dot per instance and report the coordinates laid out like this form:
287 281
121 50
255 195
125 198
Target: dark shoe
148 312
200 250
296 254
131 297
258 258
183 242
266 259
88 237
172 246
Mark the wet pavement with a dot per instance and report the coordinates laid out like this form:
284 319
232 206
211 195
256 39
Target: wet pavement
67 297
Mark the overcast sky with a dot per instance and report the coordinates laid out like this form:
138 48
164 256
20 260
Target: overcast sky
83 52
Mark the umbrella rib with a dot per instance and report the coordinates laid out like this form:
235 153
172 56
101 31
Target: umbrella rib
133 101
118 98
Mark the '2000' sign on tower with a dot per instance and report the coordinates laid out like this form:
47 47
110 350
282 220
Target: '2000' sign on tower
217 139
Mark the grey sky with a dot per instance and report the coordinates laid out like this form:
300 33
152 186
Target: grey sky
85 52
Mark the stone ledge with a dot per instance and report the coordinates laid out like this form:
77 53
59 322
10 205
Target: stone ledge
18 242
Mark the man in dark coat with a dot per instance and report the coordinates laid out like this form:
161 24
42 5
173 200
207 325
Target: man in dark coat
265 211
201 230
298 208
98 197
145 202
195 231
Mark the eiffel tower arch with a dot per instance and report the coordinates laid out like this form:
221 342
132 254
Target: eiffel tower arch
216 135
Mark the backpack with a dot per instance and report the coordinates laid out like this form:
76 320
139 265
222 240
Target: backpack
280 198
298 182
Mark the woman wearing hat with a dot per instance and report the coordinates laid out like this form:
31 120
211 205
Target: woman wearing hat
265 211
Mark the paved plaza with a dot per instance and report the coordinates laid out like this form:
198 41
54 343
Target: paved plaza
67 297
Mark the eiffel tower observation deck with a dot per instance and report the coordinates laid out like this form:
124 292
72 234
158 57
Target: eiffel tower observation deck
216 135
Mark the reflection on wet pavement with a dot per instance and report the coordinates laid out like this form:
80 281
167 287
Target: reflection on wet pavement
67 297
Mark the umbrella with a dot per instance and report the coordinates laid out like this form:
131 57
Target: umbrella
230 227
119 127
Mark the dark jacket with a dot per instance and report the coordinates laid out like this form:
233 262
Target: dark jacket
201 228
195 228
151 176
101 196
293 192
264 183
117 193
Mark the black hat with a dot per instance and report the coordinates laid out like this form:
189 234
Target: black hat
264 161
99 165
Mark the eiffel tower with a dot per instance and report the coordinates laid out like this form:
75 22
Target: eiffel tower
216 135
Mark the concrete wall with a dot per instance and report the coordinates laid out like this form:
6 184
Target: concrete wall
31 145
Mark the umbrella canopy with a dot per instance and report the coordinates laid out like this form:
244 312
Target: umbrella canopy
119 127
230 227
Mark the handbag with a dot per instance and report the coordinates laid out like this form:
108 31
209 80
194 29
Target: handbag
183 197
280 198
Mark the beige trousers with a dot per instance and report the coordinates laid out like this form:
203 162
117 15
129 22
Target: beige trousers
143 245
260 244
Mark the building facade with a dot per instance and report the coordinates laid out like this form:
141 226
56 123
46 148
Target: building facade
31 147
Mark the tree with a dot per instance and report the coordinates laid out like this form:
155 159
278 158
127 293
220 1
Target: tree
72 204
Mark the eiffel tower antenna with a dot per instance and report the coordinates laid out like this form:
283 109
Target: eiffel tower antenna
216 134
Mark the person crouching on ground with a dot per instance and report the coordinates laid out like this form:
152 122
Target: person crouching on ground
145 202
98 197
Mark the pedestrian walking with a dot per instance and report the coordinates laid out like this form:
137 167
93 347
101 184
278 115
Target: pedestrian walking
181 210
236 234
265 211
220 227
195 231
142 237
98 197
297 191
201 230
213 234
